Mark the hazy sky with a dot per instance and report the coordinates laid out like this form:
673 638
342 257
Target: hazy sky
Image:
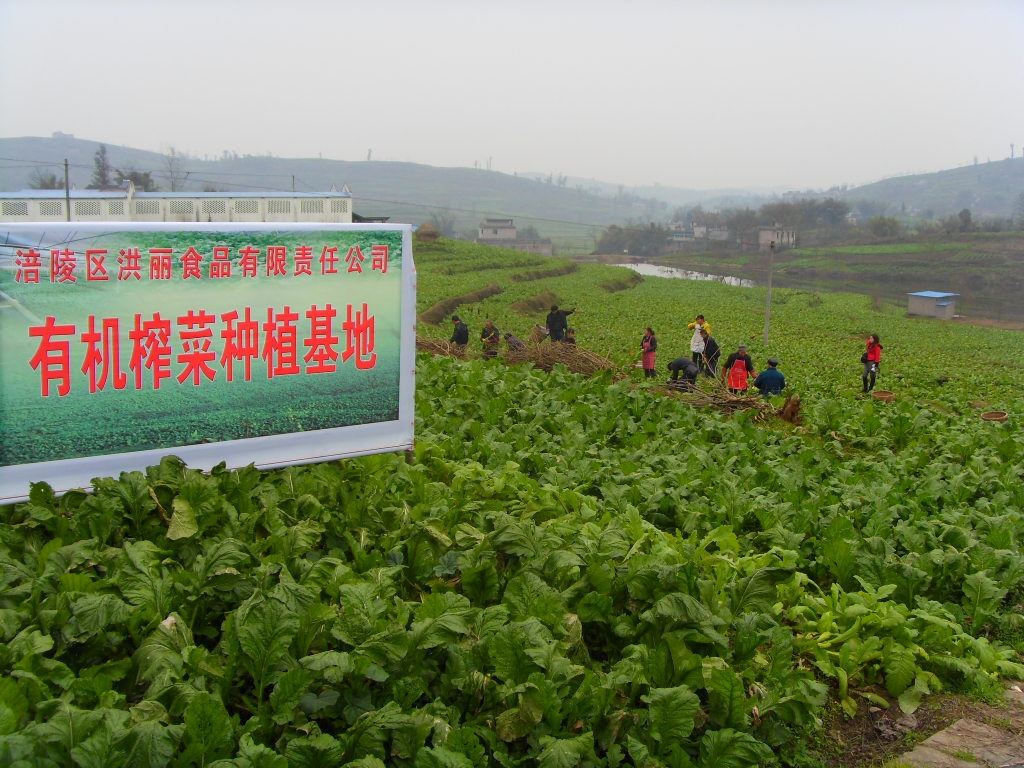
703 94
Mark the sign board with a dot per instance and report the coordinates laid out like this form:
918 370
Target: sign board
238 343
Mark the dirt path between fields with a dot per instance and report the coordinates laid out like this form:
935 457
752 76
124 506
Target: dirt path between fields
993 739
947 731
1007 325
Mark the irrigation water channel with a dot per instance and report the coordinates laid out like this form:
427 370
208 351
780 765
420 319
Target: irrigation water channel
655 270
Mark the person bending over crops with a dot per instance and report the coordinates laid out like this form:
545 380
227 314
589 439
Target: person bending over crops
738 366
490 336
688 368
558 322
648 351
515 344
871 358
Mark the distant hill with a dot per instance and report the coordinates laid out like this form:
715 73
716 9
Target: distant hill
987 189
569 210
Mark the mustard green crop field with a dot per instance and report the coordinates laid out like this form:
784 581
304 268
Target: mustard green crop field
566 571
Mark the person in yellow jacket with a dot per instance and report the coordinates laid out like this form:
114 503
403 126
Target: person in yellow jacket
697 342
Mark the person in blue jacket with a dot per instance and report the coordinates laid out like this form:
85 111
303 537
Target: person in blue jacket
770 381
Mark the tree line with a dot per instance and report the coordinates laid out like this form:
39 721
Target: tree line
816 221
106 176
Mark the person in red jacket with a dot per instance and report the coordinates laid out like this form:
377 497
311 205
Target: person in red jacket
649 350
871 358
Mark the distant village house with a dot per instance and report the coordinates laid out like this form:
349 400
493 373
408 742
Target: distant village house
783 238
503 233
932 304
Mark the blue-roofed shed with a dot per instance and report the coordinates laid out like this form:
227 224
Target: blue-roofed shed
932 304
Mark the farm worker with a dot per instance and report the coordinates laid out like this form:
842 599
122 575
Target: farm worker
688 368
770 381
460 335
570 336
514 342
709 357
490 336
737 367
648 351
871 358
557 322
697 342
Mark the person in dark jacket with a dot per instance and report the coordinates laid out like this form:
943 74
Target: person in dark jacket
770 381
689 369
460 334
558 322
709 357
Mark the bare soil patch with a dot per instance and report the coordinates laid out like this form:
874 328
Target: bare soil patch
876 736
1007 325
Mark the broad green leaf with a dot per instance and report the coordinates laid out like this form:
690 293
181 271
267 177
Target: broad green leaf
265 628
94 613
149 744
288 691
209 734
321 751
728 748
13 706
252 755
727 705
184 523
567 753
756 592
982 596
671 713
438 757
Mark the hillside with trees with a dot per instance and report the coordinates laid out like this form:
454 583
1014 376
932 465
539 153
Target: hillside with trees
572 212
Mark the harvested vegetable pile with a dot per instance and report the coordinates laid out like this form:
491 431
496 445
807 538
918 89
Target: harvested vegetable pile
713 394
543 356
546 355
441 347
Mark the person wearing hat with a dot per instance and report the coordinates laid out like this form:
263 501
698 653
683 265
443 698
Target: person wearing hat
738 366
770 381
460 335
711 354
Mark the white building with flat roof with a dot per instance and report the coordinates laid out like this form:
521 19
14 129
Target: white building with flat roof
125 204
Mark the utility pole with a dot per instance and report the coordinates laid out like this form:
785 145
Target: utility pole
768 300
67 192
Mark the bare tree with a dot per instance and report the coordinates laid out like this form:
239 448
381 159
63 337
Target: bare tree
174 168
41 180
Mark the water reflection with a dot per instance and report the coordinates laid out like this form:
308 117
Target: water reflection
655 270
